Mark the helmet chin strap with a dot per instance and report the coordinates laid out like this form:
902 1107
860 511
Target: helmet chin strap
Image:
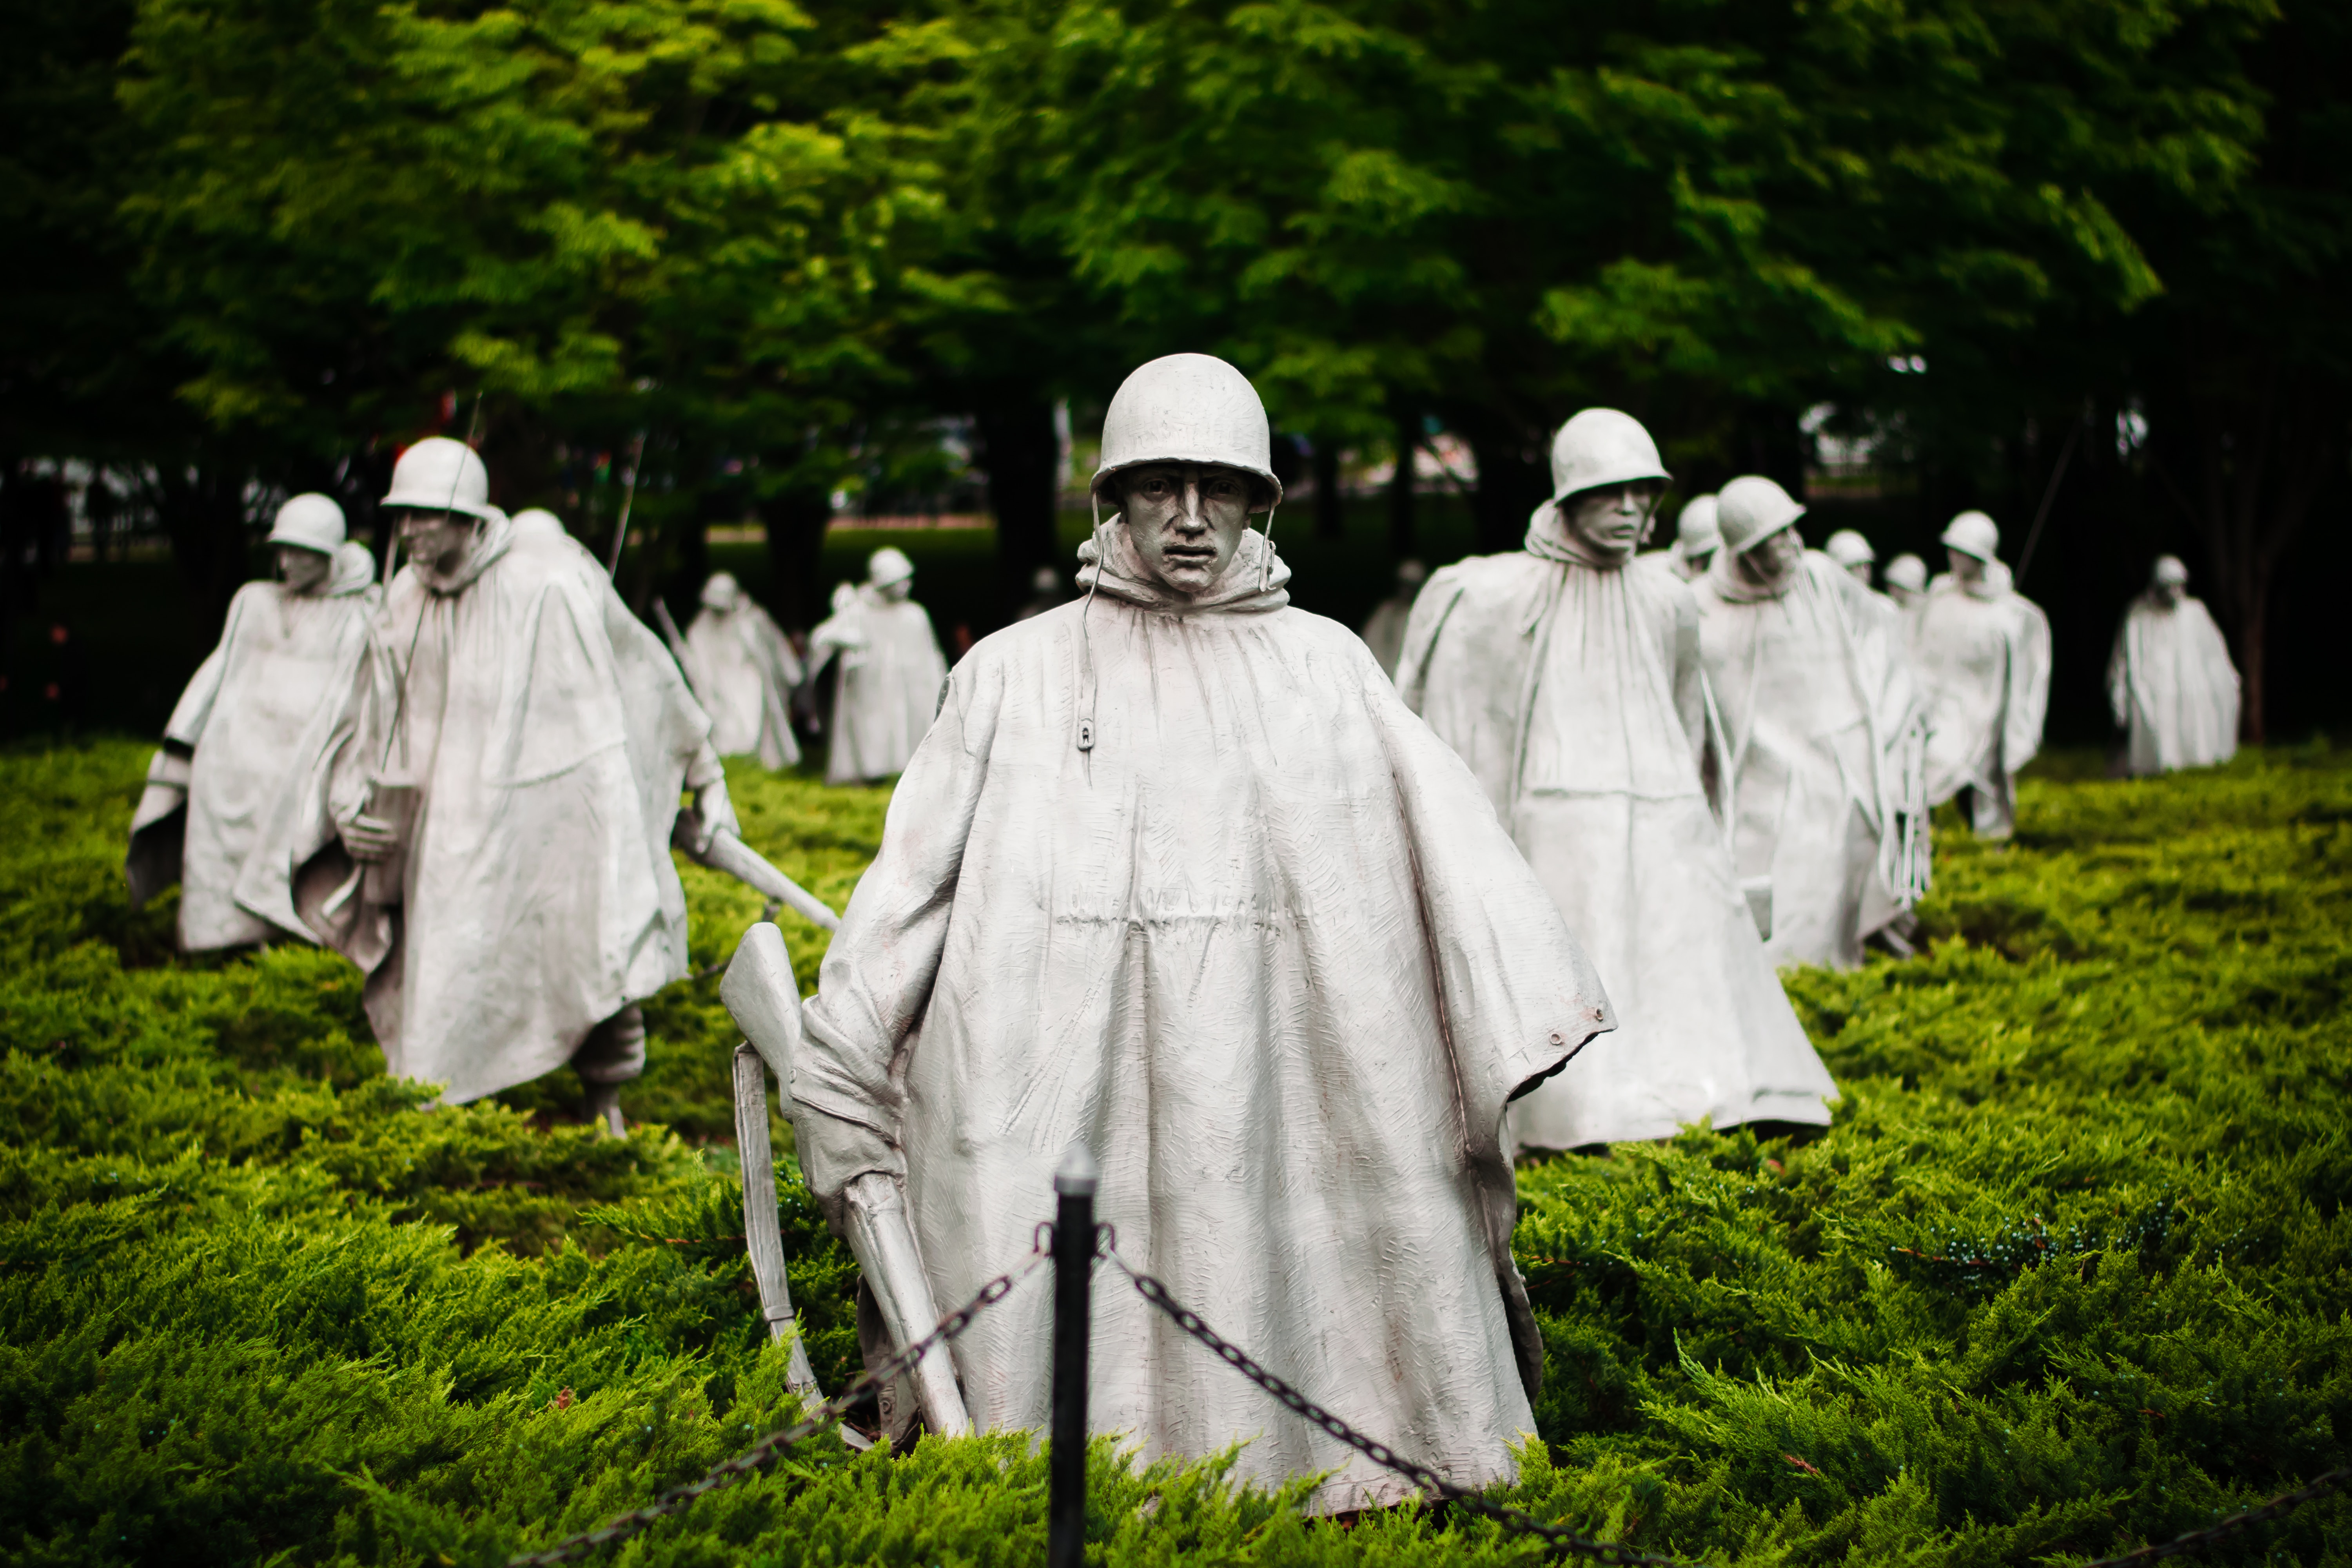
1086 736
1265 577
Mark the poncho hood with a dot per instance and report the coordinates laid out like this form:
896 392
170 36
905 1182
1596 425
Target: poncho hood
1244 587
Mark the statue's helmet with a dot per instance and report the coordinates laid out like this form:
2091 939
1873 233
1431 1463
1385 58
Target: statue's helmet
887 566
310 522
441 475
538 522
1848 549
1601 447
1187 408
1699 529
1751 509
2171 571
1973 534
1908 572
722 591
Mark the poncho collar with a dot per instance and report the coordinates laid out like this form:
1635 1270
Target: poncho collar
1723 574
1236 591
1551 539
497 533
353 570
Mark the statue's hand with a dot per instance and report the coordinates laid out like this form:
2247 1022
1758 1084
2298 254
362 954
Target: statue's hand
368 839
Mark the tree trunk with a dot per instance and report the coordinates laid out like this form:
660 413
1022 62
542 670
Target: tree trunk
797 519
1330 506
1022 454
1402 535
202 508
1510 487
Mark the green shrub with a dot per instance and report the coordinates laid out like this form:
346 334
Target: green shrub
2071 1270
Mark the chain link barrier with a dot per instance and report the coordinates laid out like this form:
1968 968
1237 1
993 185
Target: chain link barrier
2197 1540
1380 1453
768 1449
1568 1541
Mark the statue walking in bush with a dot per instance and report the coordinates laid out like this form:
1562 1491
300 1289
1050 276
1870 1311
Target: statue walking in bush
489 835
1176 872
1567 676
247 730
1982 651
2174 690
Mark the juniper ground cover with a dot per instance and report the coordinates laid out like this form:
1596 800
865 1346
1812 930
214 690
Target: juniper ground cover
2071 1271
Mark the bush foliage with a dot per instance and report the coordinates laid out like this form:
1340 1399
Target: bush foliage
2069 1272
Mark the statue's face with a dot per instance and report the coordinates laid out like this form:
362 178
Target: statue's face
1771 560
1861 571
1186 519
302 570
438 542
2168 595
1612 519
896 593
1965 566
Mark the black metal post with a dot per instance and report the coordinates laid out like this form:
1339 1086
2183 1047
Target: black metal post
1074 1257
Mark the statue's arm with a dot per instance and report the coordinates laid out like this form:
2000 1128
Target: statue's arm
879 971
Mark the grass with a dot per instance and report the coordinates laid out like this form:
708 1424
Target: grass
2071 1270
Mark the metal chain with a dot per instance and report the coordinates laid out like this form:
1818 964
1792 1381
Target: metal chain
1153 1291
1380 1453
2197 1540
766 1449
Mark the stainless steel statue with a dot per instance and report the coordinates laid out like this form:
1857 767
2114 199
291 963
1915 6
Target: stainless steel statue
1568 675
1384 632
247 730
886 682
1697 536
489 834
1982 650
744 672
1906 580
2174 690
1852 552
1820 717
1177 872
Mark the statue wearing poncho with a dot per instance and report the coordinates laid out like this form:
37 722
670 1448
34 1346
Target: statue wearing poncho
247 730
1176 871
546 734
2174 690
1826 804
886 683
1567 676
744 673
1982 651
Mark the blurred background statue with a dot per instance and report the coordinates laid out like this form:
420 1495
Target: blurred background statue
887 675
1573 687
744 673
1818 707
1852 553
249 727
2170 680
1982 651
1697 536
1906 580
1385 631
489 836
1044 592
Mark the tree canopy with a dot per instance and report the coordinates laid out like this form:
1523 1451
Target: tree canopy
772 245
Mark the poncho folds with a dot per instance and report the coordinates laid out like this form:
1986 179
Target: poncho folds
255 717
887 687
743 673
1572 688
2174 690
1817 703
549 733
1266 948
1983 652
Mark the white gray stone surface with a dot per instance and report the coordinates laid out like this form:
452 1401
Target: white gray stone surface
247 730
1983 652
545 734
888 672
744 672
2170 681
1820 718
1176 872
1569 676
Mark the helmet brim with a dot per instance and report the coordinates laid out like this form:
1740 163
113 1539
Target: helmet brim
1262 476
